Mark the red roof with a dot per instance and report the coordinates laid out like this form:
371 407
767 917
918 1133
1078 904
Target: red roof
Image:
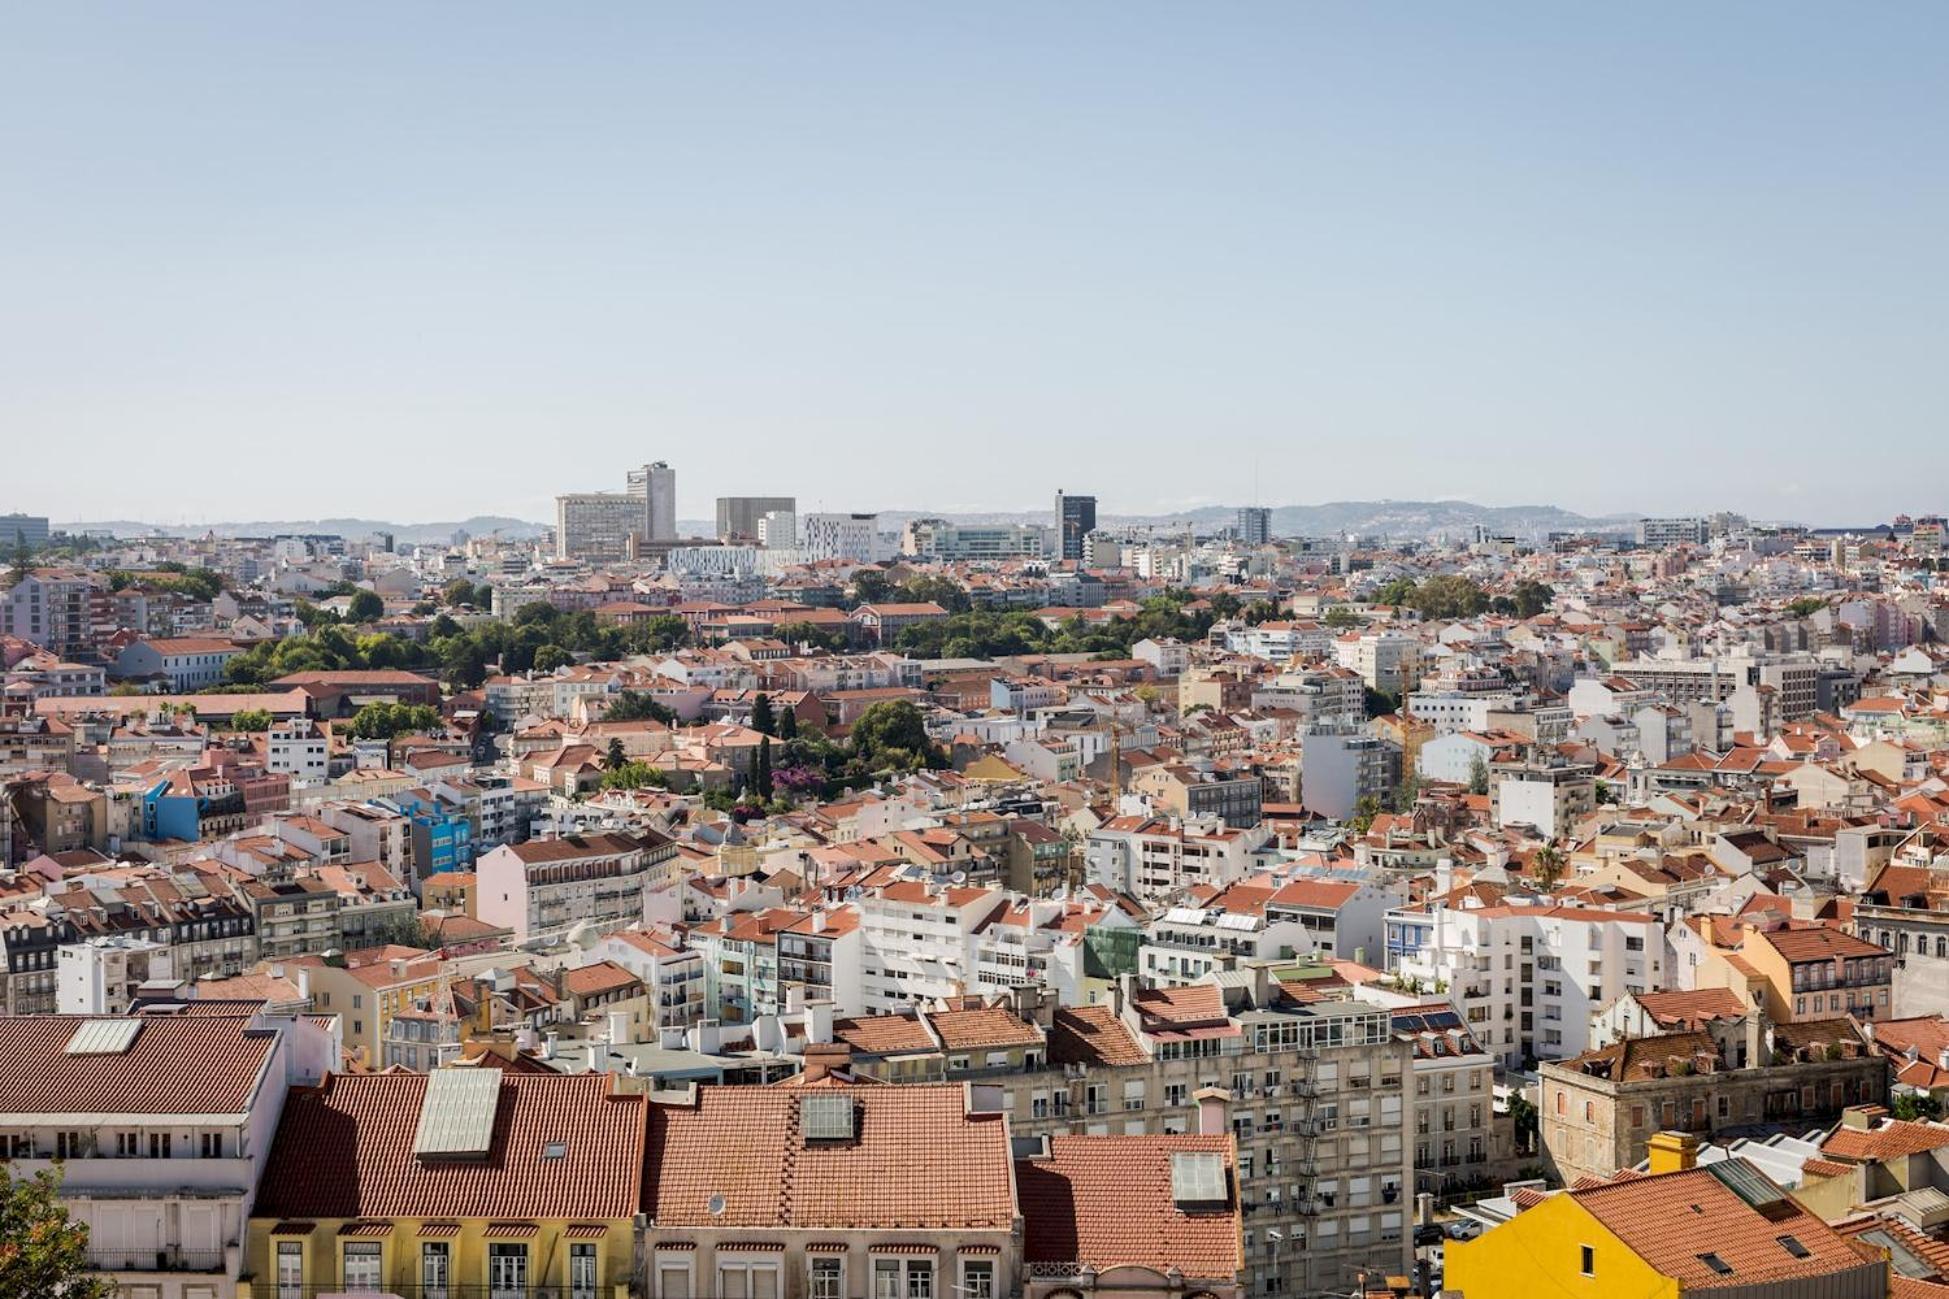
345 1150
203 1064
1107 1202
918 1160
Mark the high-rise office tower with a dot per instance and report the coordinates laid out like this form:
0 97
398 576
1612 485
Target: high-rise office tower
1254 524
1075 520
737 516
656 485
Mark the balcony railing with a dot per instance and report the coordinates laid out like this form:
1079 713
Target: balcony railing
155 1260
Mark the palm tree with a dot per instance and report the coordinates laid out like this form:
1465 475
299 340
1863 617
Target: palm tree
1547 866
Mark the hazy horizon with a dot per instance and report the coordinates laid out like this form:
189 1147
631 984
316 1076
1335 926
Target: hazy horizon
425 263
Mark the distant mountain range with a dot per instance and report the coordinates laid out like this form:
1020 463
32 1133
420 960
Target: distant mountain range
352 529
1405 519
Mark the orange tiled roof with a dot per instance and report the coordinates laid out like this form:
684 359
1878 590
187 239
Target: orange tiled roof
1670 1221
1891 1140
978 1027
1107 1202
919 1160
205 1064
1092 1035
345 1150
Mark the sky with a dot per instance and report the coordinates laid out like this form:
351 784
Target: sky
424 261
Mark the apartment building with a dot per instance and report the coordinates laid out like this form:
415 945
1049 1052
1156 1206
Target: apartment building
738 517
1387 661
918 941
1153 858
1601 1109
60 610
1548 796
672 974
1341 765
543 888
1527 976
598 527
182 663
854 537
937 539
1800 971
162 1127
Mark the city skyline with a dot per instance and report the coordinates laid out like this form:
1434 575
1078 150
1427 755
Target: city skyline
1341 253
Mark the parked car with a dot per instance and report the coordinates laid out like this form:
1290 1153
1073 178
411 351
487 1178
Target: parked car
1463 1229
1429 1234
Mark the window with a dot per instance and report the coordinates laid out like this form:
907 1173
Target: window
507 1271
1588 1262
740 1279
978 1279
436 1264
1174 1094
212 1145
361 1267
582 1271
672 1278
1793 1247
1716 1263
159 1145
827 1279
290 1269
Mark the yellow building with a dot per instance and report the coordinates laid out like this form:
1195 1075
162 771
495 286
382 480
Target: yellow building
458 1182
367 990
1677 1230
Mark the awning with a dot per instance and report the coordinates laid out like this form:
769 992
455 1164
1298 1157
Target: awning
366 1229
586 1231
512 1230
439 1230
294 1229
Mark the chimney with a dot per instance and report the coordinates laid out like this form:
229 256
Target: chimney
1862 1118
1755 1042
1673 1152
818 1023
824 1059
1214 1106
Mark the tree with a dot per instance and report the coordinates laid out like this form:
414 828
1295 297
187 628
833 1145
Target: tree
870 586
1449 597
616 757
550 657
892 733
762 720
635 706
1364 811
1806 606
788 724
805 633
761 778
366 606
43 1252
1478 775
252 719
23 558
634 775
458 592
1339 618
1546 866
1532 597
380 721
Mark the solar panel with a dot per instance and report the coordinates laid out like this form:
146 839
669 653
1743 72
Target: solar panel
104 1036
826 1118
457 1114
1747 1182
1197 1177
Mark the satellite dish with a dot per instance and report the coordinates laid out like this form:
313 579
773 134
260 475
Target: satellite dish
716 1206
959 877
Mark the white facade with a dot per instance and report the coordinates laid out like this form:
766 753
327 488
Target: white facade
852 537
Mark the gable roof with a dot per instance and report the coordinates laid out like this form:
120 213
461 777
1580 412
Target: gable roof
345 1149
919 1159
204 1064
1109 1202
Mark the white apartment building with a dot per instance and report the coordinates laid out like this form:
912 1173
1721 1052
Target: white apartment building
1527 977
163 1124
1387 661
298 748
1340 766
853 537
919 941
1548 796
1317 694
598 527
1449 711
1153 858
1279 641
672 974
102 976
654 487
544 888
938 539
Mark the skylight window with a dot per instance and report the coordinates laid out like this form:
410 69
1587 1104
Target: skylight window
1716 1263
554 1150
1794 1247
826 1118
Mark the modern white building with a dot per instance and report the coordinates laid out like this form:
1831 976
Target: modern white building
1152 858
654 487
919 941
853 537
162 1124
544 888
1527 977
298 748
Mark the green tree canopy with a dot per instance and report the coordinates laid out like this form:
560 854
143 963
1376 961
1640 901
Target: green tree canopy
43 1252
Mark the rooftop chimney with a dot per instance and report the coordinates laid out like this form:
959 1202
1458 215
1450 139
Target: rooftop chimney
1214 1106
824 1059
1673 1152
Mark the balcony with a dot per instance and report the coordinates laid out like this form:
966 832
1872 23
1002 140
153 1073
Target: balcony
157 1260
271 1289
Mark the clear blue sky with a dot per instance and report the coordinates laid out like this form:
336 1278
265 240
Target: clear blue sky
426 260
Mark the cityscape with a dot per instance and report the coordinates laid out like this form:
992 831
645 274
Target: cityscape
852 652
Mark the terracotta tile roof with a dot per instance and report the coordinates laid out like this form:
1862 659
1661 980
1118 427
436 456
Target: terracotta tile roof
1092 1035
1692 1009
1891 1140
1819 943
1672 1220
918 1160
884 1035
201 1064
345 1150
597 977
978 1027
1107 1202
